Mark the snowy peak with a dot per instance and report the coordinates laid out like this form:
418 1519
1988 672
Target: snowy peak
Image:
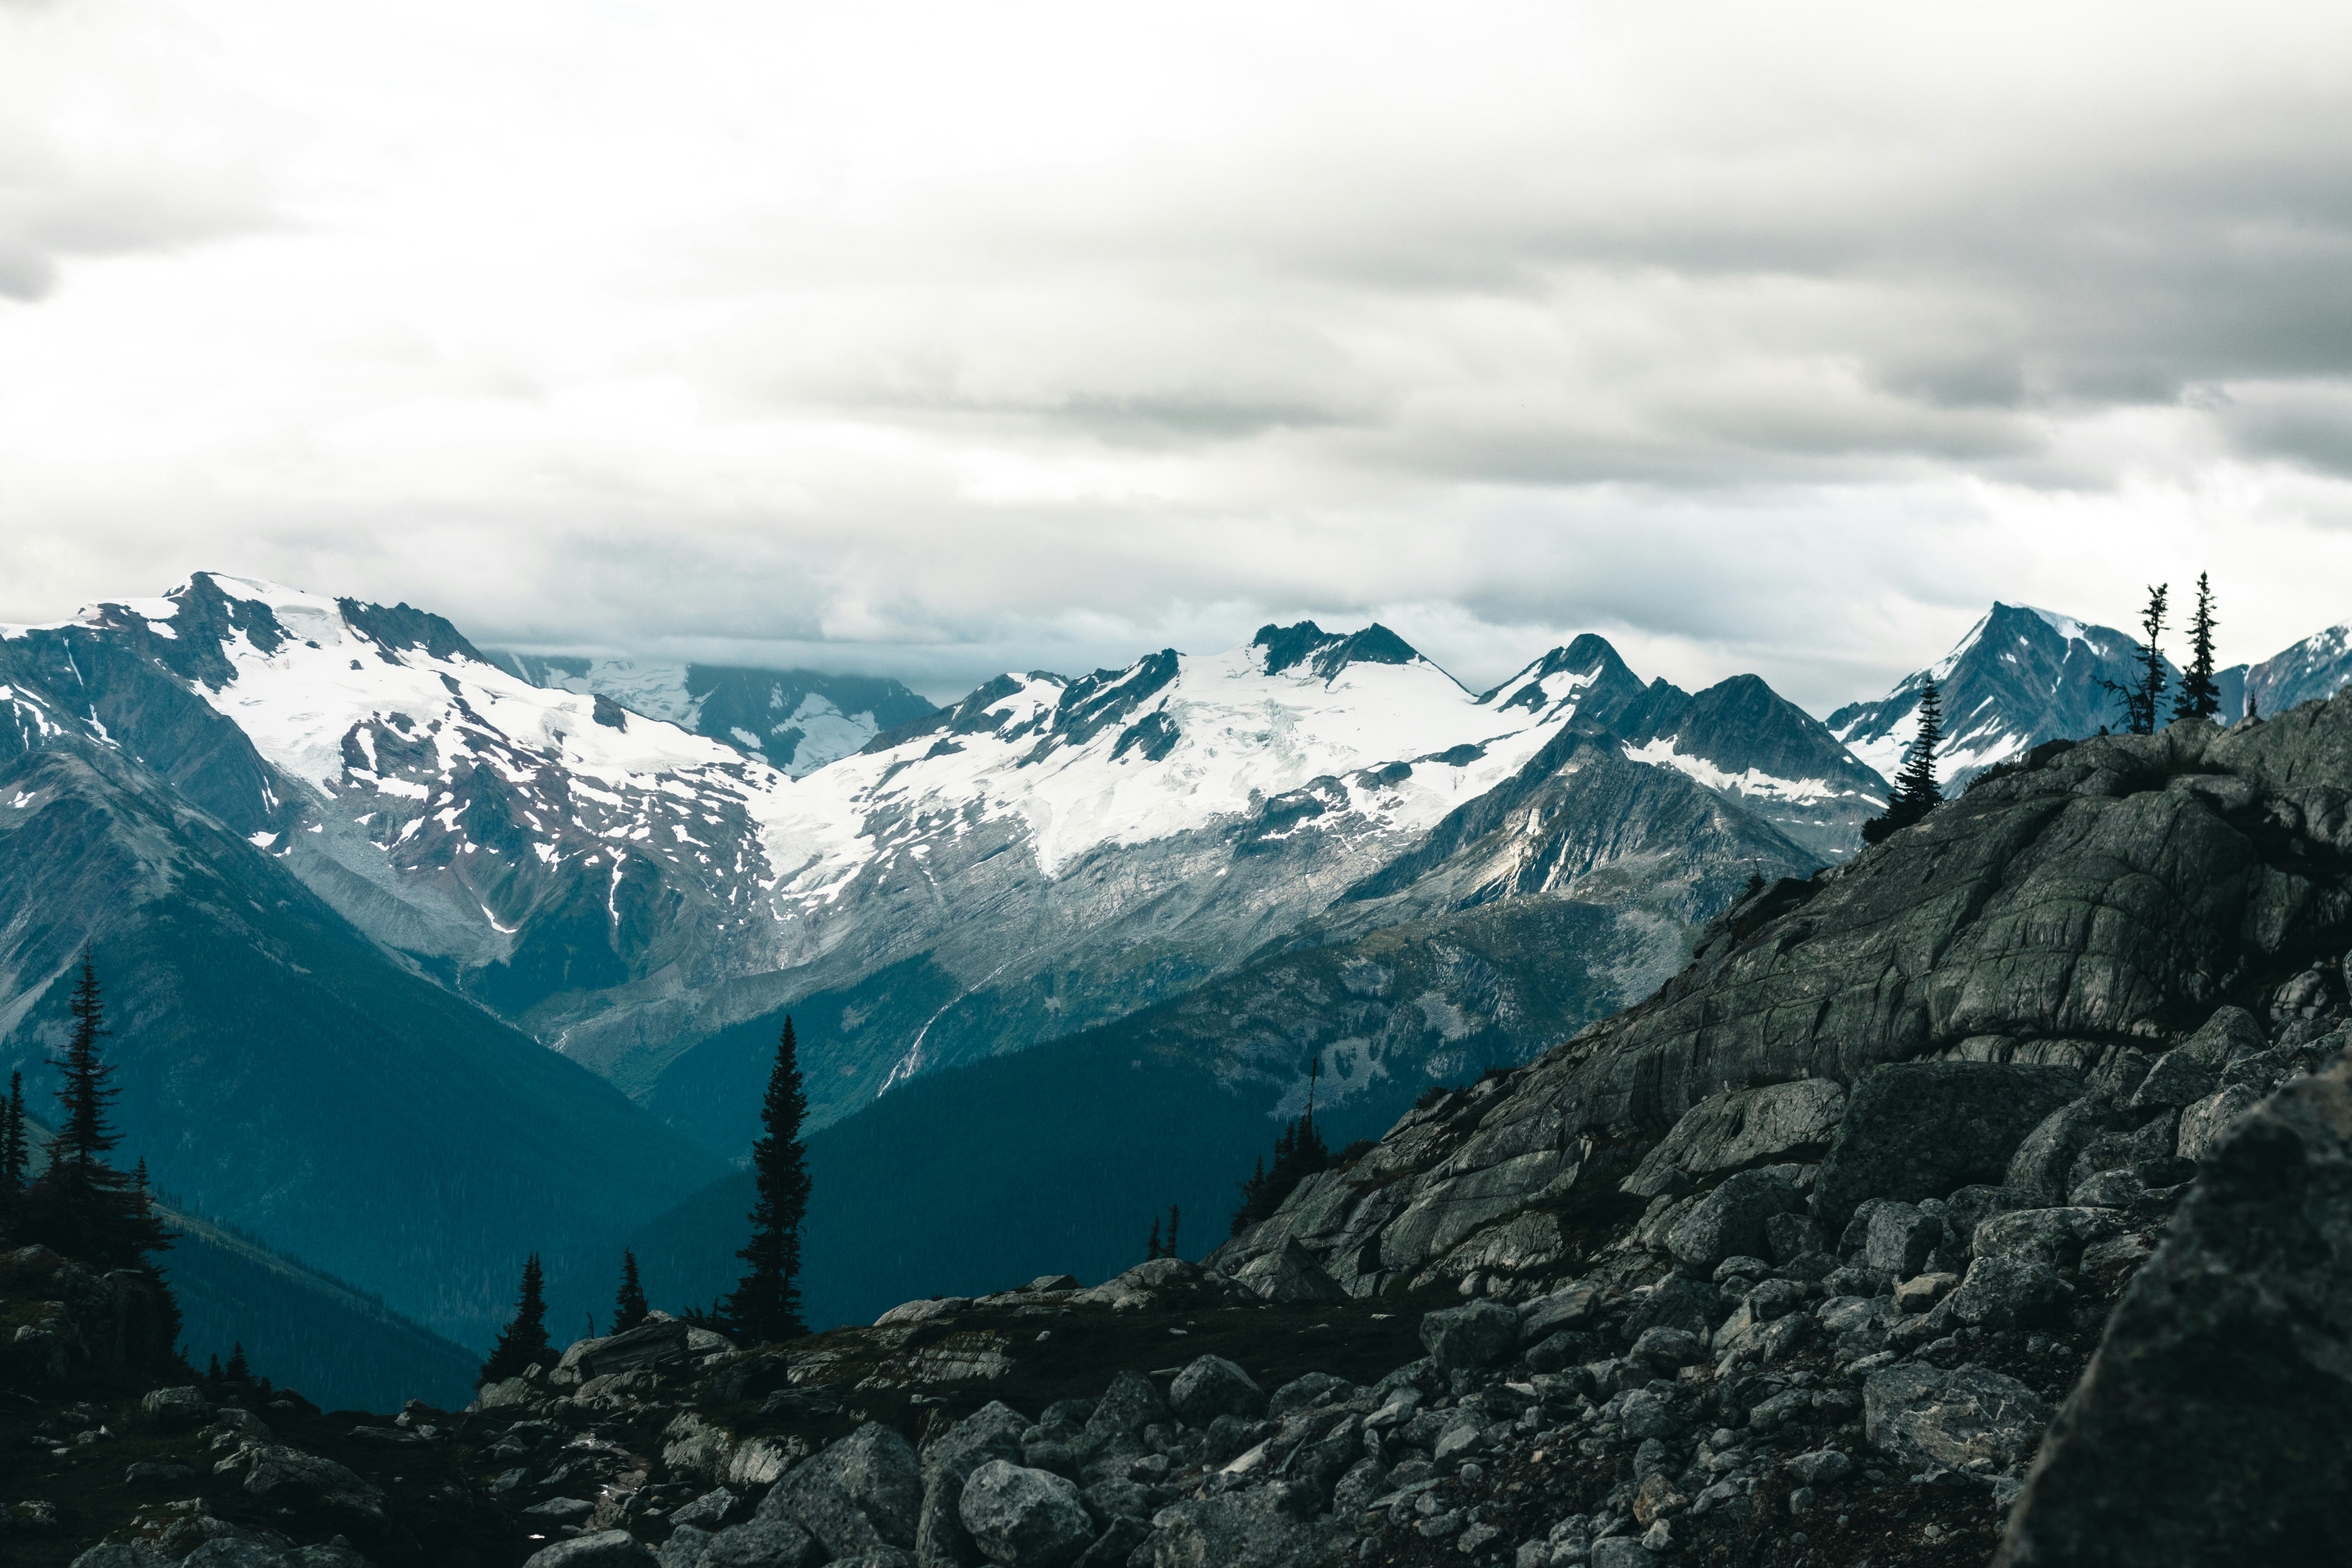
2019 677
1308 648
2315 668
1586 677
796 720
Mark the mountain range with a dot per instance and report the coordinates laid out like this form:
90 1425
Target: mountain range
427 957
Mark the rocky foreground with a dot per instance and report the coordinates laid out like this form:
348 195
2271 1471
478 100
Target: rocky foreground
1988 1199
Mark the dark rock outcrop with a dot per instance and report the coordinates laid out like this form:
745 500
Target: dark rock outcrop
2214 1424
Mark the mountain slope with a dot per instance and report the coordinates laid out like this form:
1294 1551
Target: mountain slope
282 1071
796 720
2312 669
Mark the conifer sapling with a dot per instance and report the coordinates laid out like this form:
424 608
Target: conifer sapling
628 1307
522 1342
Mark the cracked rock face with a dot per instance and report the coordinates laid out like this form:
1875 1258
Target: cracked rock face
2214 1422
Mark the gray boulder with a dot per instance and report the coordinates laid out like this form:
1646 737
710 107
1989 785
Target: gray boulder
1918 1129
1479 1334
1115 1544
1544 1316
1731 1221
992 1432
2178 1077
1212 1386
1305 1391
1925 1416
761 1543
175 1407
863 1493
684 1548
2043 1160
2052 1236
1023 1518
1679 1302
2214 1422
1897 1238
1131 1403
2010 1293
2203 1123
607 1549
1288 1273
1260 1528
708 1512
114 1554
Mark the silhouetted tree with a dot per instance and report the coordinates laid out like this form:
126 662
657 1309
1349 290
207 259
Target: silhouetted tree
2140 698
1916 792
2200 697
236 1370
766 1302
1151 1248
524 1340
1298 1153
629 1306
213 1369
81 1205
16 1149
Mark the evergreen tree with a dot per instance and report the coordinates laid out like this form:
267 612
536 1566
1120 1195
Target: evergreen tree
2200 697
766 1303
1173 1216
1916 792
211 1369
15 1151
1151 1248
81 1205
2141 697
238 1371
629 1306
524 1340
1298 1153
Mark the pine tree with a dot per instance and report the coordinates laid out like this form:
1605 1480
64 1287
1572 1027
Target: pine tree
2200 697
213 1369
524 1340
2141 697
238 1372
629 1306
766 1303
1916 792
1151 1248
81 1205
15 1152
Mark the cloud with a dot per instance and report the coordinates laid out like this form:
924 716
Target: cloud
935 340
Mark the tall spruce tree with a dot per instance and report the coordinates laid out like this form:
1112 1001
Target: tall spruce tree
16 1149
2200 697
1151 1248
1916 793
766 1304
629 1306
81 1205
524 1340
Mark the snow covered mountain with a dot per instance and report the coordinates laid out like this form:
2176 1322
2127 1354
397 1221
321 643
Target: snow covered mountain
2312 669
2019 677
1050 854
798 719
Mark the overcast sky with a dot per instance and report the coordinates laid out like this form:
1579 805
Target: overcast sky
936 339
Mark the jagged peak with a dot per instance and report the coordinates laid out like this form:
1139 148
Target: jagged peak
1328 653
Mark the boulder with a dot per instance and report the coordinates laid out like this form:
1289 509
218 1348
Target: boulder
2214 1422
2010 1293
1923 1416
1023 1518
1212 1386
607 1549
1479 1334
1259 1528
1678 1302
2039 1166
861 1493
176 1407
1738 1128
1288 1273
1131 1403
708 1512
924 1310
2052 1236
2177 1078
1669 1350
1540 1317
649 1345
1918 1129
1117 1543
1304 1392
276 1471
1898 1238
1731 1221
2203 1123
761 1544
992 1432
